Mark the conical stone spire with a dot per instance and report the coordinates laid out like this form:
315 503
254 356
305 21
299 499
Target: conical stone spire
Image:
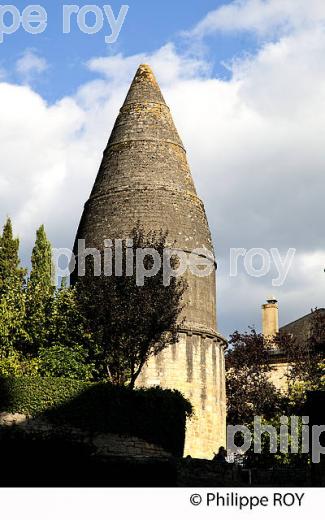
144 88
144 176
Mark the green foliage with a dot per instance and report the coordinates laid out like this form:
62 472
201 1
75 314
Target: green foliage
12 315
153 414
39 294
322 379
42 266
11 274
12 363
41 329
67 326
298 393
282 455
70 350
12 297
62 361
32 395
249 390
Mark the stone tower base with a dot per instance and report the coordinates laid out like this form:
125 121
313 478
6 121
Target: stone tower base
195 367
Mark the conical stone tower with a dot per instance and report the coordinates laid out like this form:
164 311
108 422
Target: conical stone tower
144 176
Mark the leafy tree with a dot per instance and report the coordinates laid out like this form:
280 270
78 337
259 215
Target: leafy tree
13 363
130 322
39 293
248 369
249 389
70 350
41 329
273 454
61 361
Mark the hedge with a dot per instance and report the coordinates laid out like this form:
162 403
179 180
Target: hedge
153 414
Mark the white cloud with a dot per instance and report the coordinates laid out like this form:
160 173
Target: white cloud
255 144
263 17
169 65
29 65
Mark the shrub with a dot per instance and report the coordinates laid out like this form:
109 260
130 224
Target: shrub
33 395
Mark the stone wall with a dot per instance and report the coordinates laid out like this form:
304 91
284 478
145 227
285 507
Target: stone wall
107 445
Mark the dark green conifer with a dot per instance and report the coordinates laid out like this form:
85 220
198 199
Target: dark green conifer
39 293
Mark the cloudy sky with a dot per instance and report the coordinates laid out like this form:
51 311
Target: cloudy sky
245 81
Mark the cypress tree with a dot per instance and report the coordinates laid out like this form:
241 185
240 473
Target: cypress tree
41 273
39 293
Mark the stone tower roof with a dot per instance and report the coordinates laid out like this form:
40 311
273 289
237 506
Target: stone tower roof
146 129
145 176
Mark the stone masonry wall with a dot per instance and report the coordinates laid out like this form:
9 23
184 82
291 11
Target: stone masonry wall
108 444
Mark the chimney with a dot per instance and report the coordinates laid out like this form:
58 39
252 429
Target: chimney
270 317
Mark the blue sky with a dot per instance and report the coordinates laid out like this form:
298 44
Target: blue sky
147 27
246 87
